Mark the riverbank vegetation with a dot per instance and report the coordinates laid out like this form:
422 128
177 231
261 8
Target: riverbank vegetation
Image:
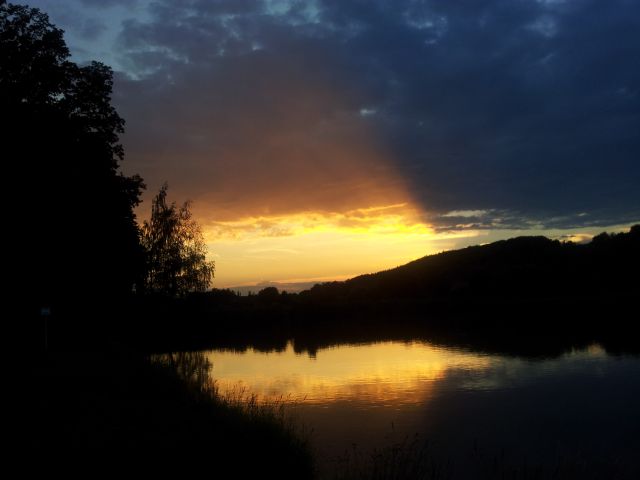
118 412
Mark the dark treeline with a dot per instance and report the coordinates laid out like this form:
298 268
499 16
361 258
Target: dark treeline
76 237
79 253
528 295
519 269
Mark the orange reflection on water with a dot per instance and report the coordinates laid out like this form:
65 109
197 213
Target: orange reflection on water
390 373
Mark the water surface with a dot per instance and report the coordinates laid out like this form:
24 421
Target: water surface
581 406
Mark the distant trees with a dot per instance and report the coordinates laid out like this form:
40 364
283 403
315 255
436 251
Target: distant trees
269 293
61 152
175 250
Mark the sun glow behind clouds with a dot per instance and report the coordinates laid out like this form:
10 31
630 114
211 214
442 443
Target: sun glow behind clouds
386 219
291 174
320 246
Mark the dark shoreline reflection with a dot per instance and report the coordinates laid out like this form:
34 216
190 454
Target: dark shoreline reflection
312 338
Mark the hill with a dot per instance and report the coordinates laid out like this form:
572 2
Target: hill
519 269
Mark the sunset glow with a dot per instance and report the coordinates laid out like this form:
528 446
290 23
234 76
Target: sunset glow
294 251
321 246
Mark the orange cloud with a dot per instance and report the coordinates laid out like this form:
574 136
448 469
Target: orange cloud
269 136
285 162
389 219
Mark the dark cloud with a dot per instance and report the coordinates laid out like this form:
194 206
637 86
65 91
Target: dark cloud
65 15
527 110
91 28
107 3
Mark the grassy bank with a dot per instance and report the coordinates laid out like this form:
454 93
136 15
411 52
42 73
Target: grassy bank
115 411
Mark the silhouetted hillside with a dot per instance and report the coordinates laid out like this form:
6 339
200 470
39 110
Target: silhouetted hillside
523 268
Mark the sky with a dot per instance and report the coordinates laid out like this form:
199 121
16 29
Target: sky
323 139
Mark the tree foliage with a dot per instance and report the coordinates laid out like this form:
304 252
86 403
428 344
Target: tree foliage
60 141
175 249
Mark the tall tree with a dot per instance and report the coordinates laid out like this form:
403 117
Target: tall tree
175 249
78 237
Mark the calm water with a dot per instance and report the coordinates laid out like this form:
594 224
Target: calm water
472 407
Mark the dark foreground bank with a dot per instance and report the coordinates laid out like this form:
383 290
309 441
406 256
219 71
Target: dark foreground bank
114 411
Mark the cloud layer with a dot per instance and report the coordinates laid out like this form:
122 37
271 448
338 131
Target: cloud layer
482 113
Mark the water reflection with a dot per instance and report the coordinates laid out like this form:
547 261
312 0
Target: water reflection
382 373
531 410
194 368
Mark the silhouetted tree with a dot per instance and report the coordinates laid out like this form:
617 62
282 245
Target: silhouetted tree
175 249
268 296
60 142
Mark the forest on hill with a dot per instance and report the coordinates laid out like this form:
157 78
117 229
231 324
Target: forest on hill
522 268
522 287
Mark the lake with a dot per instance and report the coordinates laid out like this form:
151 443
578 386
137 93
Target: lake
482 414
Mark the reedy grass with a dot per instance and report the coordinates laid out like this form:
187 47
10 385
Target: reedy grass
265 427
194 369
408 459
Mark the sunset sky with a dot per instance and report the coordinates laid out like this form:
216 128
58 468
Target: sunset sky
319 140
